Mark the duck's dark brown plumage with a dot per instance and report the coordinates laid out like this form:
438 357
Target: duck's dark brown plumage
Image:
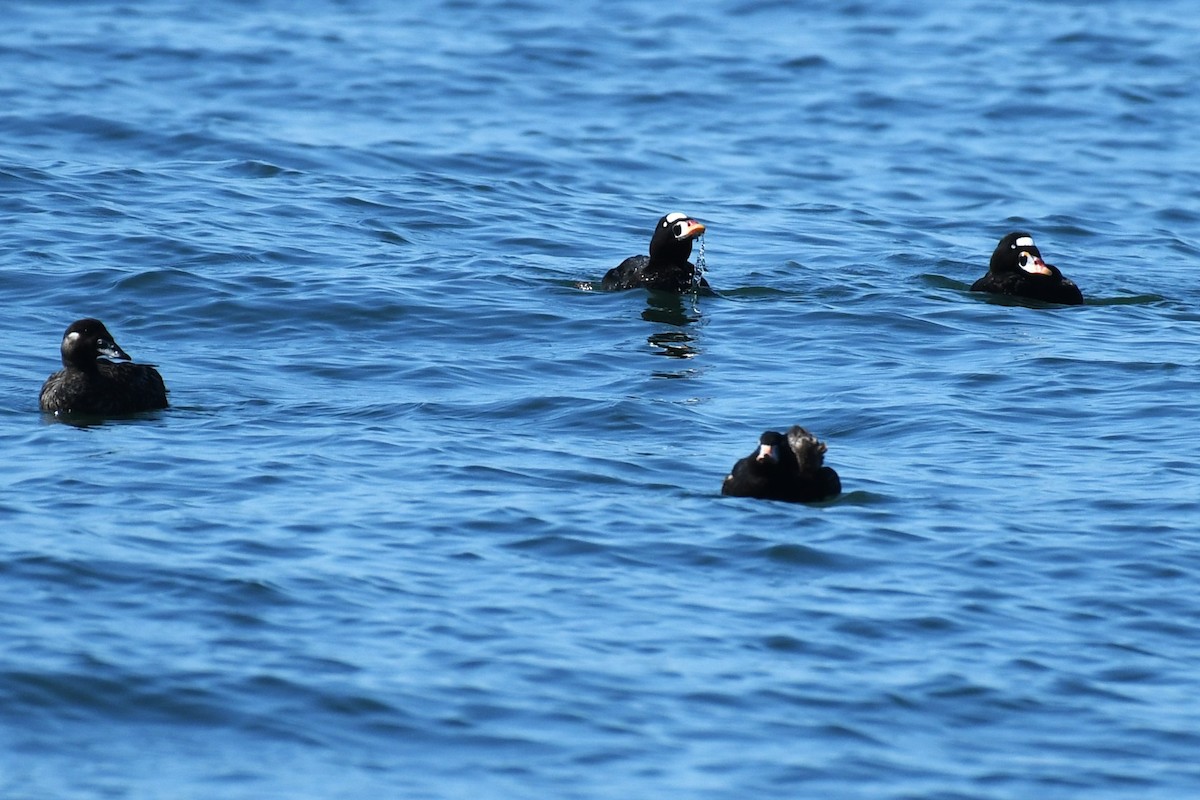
788 467
667 267
1018 270
98 377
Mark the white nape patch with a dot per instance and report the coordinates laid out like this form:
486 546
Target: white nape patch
1024 241
73 336
674 216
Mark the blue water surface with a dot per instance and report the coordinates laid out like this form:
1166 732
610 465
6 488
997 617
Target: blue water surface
429 519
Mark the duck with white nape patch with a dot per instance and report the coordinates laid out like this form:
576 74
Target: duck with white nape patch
1018 270
667 268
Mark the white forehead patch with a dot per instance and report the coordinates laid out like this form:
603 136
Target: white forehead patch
1024 241
674 216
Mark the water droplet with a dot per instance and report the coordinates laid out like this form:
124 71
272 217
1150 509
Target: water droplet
698 273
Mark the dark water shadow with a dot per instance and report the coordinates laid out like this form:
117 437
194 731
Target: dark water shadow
1029 302
678 312
1127 300
935 281
674 316
85 421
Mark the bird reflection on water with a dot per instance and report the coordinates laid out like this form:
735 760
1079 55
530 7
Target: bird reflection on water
673 314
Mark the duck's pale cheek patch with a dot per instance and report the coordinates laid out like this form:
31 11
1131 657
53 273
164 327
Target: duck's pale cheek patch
1024 241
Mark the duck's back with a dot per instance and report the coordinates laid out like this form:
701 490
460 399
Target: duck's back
114 388
1062 290
639 272
820 486
626 275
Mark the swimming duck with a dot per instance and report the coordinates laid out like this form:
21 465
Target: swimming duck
98 377
784 467
667 267
1017 270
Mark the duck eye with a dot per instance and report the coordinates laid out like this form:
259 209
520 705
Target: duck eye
1023 259
678 229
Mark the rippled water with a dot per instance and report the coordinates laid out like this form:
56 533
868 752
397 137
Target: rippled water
427 520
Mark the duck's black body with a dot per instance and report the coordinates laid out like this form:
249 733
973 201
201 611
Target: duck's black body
98 377
667 268
1017 270
784 467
